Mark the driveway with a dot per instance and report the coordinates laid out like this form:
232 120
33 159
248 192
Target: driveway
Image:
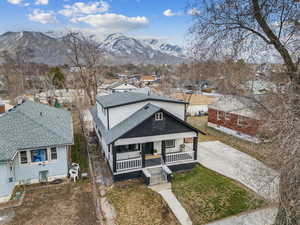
239 166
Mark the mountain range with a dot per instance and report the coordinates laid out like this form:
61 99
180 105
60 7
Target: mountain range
118 49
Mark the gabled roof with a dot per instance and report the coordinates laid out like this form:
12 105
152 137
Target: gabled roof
124 98
131 122
33 125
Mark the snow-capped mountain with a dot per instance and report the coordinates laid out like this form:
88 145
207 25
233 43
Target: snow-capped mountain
129 49
165 47
37 47
49 48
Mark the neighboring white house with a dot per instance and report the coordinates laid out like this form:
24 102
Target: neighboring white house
138 132
197 103
34 145
121 87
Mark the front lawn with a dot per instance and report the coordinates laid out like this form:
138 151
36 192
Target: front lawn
208 196
136 204
68 204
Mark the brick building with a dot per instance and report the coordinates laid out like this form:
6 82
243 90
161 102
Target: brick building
236 115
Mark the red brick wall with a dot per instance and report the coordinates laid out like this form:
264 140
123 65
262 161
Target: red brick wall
250 128
2 109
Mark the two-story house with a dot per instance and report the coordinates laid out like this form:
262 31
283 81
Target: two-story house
142 133
34 145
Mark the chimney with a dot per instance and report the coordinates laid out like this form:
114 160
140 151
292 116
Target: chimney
2 107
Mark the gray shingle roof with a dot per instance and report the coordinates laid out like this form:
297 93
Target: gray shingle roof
33 125
126 125
124 98
239 105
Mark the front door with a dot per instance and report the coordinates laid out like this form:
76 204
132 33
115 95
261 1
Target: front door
148 148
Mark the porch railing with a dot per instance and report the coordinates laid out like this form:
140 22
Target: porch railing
179 156
129 164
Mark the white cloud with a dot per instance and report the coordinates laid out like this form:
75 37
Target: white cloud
43 17
193 12
169 12
81 8
15 2
110 22
41 2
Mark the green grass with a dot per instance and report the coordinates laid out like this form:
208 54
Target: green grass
78 152
209 196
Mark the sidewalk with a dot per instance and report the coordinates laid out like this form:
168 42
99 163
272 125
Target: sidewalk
165 191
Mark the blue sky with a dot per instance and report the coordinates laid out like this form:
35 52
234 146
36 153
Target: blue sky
166 19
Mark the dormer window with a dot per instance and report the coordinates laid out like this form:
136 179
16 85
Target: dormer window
159 116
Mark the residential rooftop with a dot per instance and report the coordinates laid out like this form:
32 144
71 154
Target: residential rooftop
124 98
33 125
239 105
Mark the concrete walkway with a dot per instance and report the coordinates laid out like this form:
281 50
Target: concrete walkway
165 191
264 216
239 166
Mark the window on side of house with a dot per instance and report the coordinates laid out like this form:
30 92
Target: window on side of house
39 155
170 143
23 157
159 116
53 153
227 116
241 122
218 115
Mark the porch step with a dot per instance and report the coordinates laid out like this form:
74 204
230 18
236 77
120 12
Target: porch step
157 176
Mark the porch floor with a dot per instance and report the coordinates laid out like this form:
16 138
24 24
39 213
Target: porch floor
152 162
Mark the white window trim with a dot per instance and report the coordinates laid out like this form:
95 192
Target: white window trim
227 116
218 115
26 157
173 146
239 121
50 154
29 162
159 116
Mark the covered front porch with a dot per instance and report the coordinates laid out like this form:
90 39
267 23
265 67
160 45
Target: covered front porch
153 151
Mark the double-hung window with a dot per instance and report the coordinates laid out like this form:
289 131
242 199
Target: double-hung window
241 122
170 143
23 157
53 153
218 115
227 116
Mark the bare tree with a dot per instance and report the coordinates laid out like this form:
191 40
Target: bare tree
13 68
84 56
241 29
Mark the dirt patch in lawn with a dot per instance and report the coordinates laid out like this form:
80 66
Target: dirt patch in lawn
262 152
136 204
69 204
208 196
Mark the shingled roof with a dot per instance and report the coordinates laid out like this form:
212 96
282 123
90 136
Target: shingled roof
117 99
33 125
126 125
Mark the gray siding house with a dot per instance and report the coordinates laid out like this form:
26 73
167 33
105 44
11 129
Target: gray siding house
34 145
